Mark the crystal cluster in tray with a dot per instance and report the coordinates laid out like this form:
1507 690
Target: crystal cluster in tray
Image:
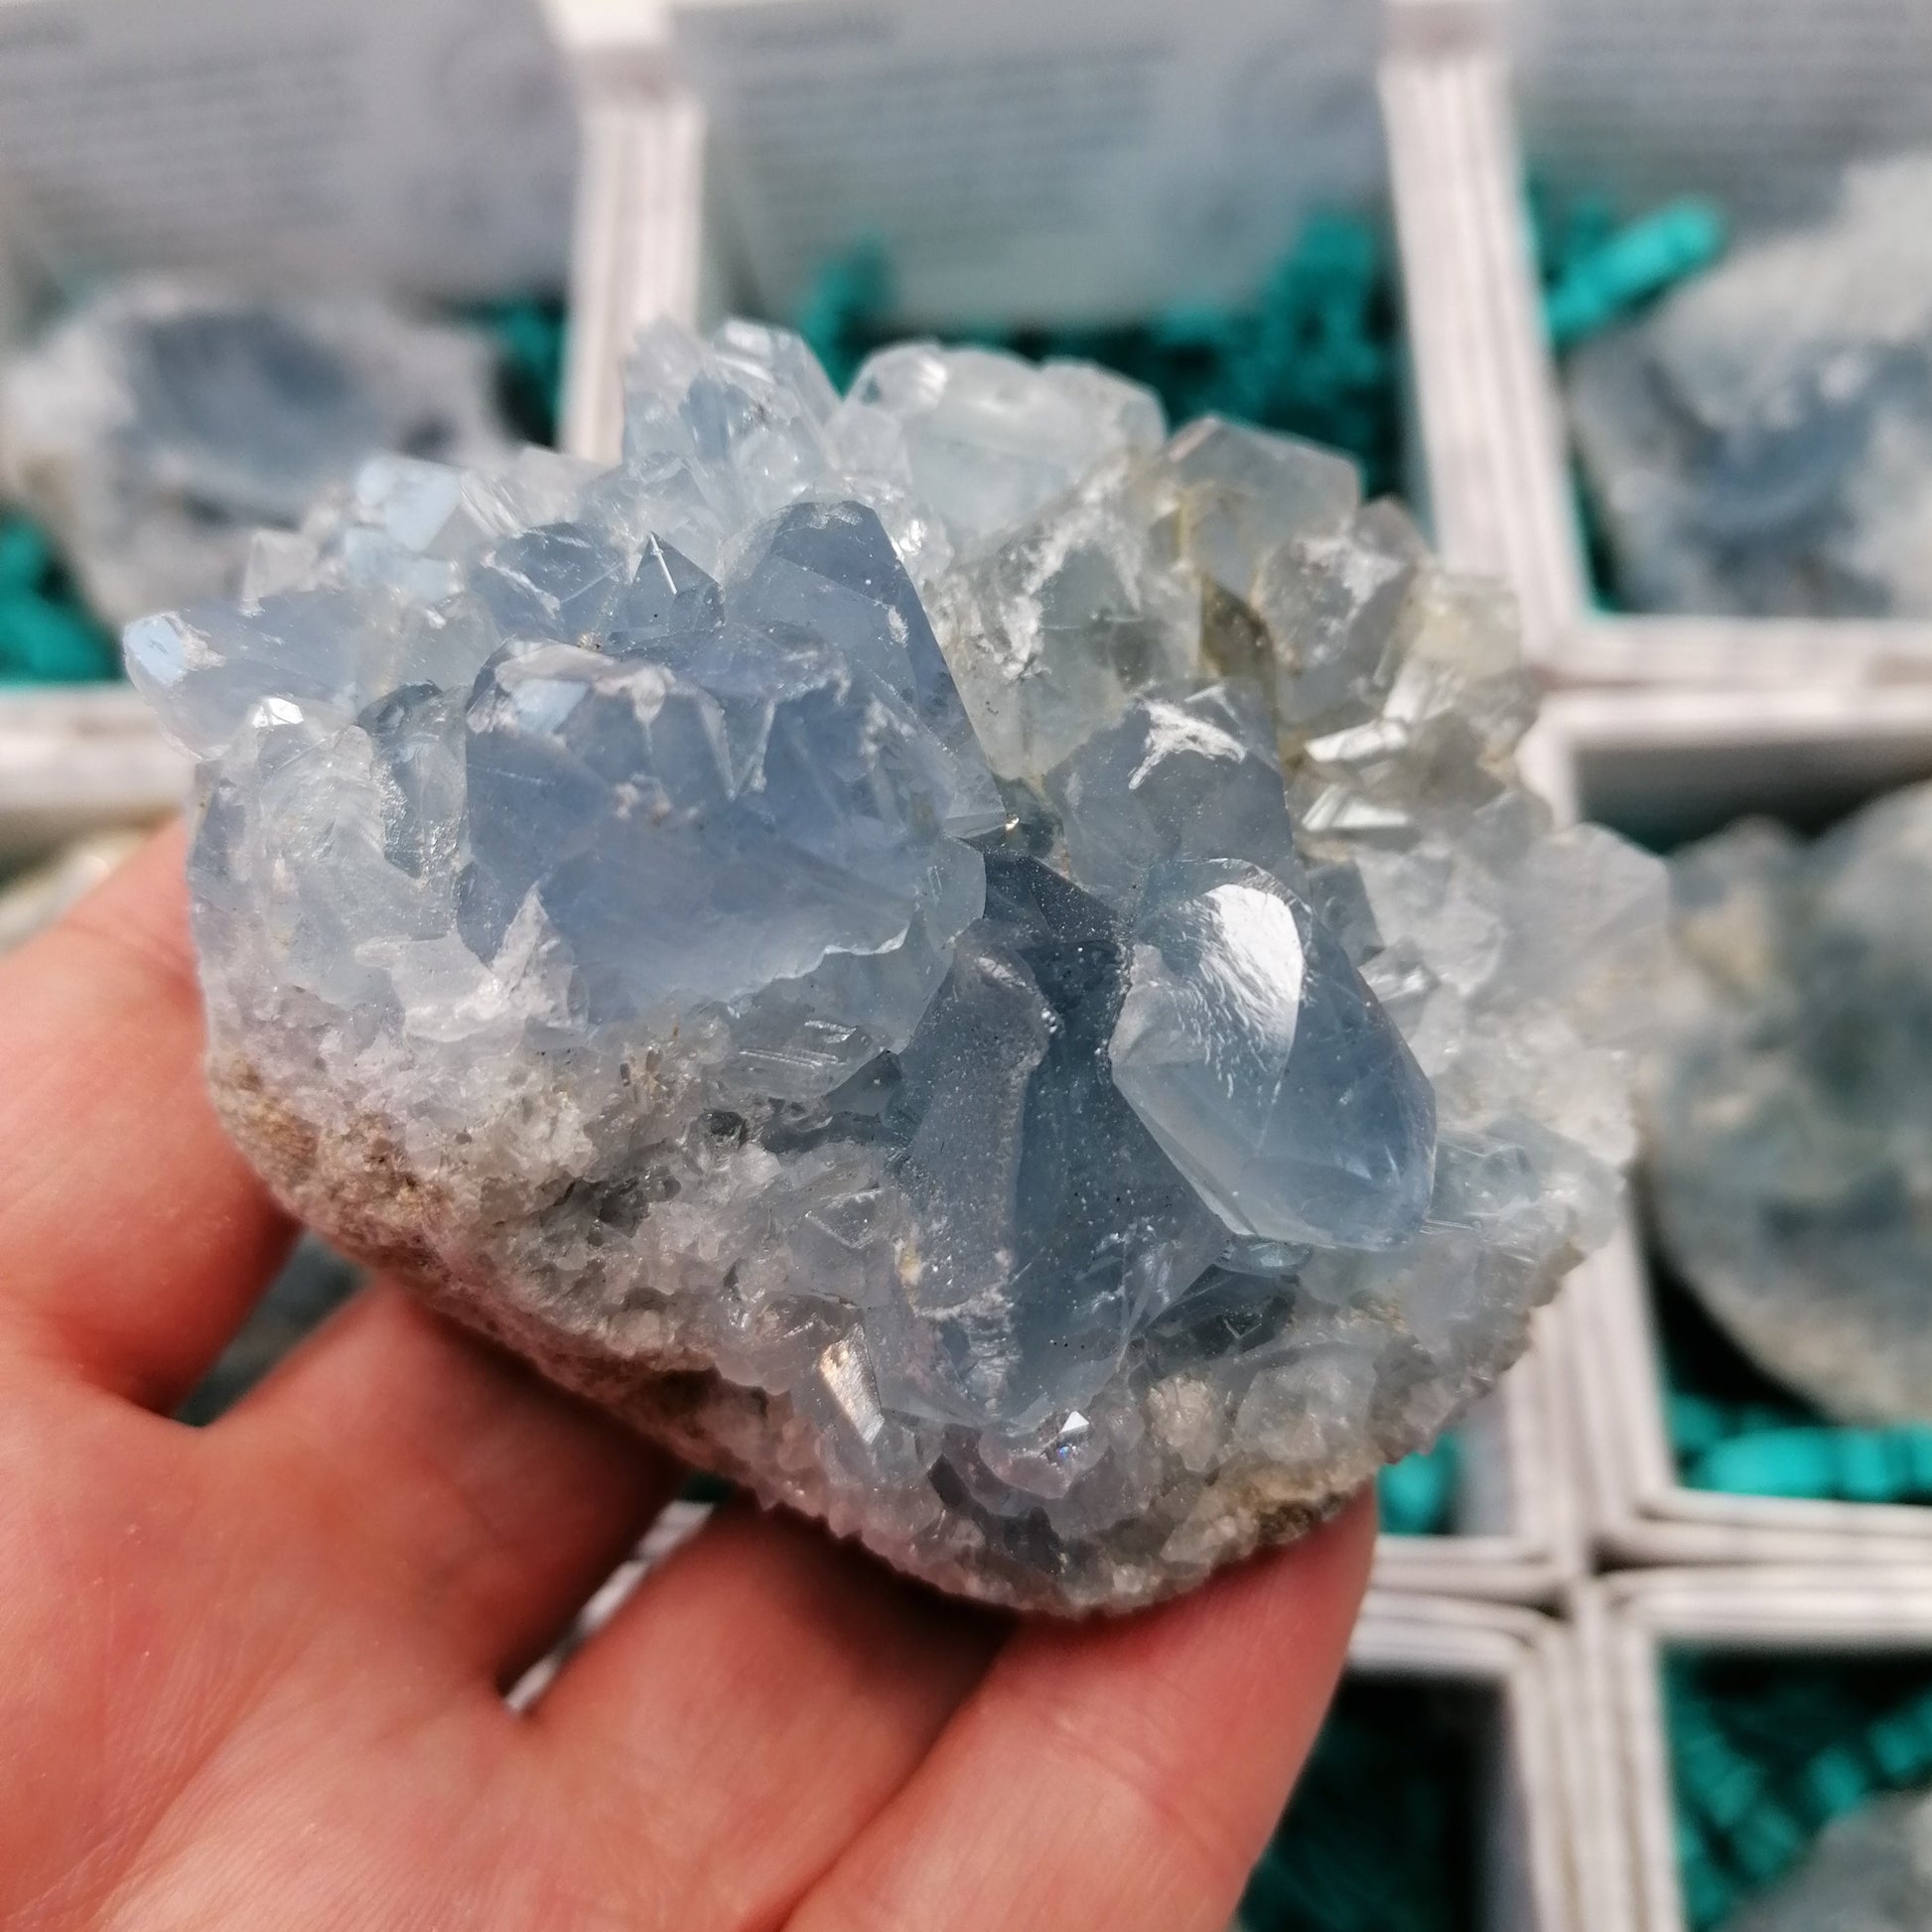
1791 1130
1762 443
977 966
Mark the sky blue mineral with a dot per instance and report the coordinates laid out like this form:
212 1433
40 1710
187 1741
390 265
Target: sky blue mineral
1267 1071
829 571
1180 775
812 930
726 808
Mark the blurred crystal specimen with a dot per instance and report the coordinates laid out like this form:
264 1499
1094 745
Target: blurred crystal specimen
1869 1871
33 897
155 428
977 968
1762 443
1791 1129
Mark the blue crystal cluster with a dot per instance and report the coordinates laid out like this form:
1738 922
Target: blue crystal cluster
971 964
1760 444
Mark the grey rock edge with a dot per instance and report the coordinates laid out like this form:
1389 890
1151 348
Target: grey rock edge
158 425
1790 1122
978 968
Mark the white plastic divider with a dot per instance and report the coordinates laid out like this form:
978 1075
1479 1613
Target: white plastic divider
1537 1866
1490 440
1489 401
1672 764
641 238
1626 1626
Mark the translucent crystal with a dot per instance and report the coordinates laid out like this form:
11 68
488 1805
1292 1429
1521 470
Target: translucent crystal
810 936
158 425
985 439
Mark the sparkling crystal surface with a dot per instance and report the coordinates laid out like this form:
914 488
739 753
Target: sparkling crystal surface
1761 443
159 425
981 970
1791 1126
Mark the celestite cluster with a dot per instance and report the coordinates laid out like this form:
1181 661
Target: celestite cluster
158 424
975 966
1791 1126
1761 443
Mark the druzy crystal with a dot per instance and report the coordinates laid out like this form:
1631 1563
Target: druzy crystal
1761 443
155 428
1791 1128
977 967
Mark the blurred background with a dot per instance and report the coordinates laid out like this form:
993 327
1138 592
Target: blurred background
1632 303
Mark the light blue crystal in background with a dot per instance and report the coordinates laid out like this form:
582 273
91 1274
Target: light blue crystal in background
154 427
805 935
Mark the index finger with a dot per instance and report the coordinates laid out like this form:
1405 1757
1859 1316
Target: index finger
133 1236
1119 1774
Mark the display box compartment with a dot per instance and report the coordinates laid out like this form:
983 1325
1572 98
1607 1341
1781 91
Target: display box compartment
1758 107
1748 1632
1667 766
1519 1679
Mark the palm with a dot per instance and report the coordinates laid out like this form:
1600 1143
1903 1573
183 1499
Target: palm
257 1670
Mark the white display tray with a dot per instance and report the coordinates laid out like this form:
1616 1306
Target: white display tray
1670 764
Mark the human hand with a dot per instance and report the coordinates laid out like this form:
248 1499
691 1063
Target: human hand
253 1674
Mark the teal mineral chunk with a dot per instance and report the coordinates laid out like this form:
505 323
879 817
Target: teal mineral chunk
1857 1465
1382 1834
529 332
1417 1493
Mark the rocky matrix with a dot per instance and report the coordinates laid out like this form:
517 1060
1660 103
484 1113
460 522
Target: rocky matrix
1791 1131
158 426
1762 443
977 967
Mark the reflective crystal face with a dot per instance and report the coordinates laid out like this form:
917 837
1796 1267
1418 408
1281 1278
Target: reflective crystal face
806 935
1267 1071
